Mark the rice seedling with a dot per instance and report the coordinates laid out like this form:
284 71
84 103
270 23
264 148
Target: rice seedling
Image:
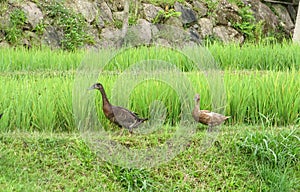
21 59
44 102
257 56
279 57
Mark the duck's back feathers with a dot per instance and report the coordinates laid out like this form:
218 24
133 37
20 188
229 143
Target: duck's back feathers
125 118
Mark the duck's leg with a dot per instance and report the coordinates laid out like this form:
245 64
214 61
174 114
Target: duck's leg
130 130
210 128
122 132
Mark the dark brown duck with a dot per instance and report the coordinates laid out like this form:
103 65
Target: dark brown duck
207 117
118 115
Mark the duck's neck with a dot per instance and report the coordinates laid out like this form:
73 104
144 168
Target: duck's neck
104 97
197 105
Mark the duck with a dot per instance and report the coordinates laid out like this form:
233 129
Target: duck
207 117
120 116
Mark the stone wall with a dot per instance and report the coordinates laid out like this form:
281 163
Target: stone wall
102 21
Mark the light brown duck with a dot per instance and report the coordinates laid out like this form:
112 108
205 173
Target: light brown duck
207 117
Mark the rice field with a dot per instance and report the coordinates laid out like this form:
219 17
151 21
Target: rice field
36 90
41 101
257 85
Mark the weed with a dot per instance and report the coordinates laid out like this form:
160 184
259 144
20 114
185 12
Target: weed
163 15
72 25
212 6
13 33
249 27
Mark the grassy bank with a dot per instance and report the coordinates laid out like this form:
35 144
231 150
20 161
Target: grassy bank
246 159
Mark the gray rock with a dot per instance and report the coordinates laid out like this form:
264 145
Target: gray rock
52 37
188 16
227 13
4 44
33 14
105 12
99 22
119 15
194 35
200 8
116 5
175 36
263 13
174 21
284 16
162 42
151 11
87 9
109 33
4 21
206 27
139 34
227 34
292 12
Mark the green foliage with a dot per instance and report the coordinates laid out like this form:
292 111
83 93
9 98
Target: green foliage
72 25
249 27
39 28
118 24
165 2
212 6
163 15
134 179
13 33
273 156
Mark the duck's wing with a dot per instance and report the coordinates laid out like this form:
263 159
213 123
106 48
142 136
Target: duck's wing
205 111
125 118
205 118
218 119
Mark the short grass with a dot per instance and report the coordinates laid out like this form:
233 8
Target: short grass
245 158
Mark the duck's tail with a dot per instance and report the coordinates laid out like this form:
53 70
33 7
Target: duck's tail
227 117
145 119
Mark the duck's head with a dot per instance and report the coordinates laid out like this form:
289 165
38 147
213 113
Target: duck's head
197 97
96 86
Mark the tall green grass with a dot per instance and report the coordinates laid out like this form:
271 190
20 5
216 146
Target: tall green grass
21 59
257 56
44 102
278 57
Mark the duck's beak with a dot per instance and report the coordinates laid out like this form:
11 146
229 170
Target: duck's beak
91 88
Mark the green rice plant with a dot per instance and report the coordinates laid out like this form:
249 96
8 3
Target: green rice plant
264 97
277 57
38 60
127 57
34 104
43 100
